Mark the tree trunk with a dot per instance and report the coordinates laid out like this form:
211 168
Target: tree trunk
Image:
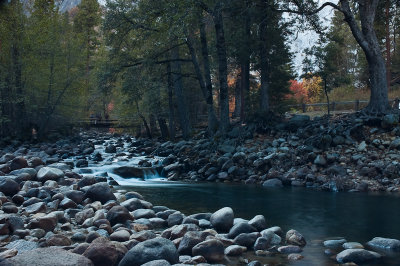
366 38
222 68
180 97
264 96
153 124
171 116
163 128
212 118
238 95
146 125
388 56
245 67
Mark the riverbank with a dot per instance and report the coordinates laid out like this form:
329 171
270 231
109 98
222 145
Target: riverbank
51 198
350 153
53 216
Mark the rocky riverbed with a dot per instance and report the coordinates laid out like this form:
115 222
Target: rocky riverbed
56 210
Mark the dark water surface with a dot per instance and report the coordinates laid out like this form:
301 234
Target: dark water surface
317 215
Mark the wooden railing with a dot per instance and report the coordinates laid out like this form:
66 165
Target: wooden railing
333 105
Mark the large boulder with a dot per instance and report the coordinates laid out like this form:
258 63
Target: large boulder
212 250
133 171
154 249
357 256
9 187
48 257
222 220
49 173
385 243
100 192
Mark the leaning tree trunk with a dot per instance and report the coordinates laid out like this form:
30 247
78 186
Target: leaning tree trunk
367 39
222 68
212 119
180 97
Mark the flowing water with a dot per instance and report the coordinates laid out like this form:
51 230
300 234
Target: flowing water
317 215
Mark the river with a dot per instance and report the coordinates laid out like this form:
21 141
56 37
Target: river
317 215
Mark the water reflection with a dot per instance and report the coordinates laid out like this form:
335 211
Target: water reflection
317 215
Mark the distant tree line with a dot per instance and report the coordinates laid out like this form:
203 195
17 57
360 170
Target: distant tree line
169 66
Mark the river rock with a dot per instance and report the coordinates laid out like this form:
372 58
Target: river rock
18 163
118 214
49 173
235 250
120 236
101 192
22 245
8 186
241 227
47 223
189 240
67 203
149 250
289 249
133 171
175 218
356 256
258 222
133 204
320 160
81 163
389 121
385 243
157 263
295 257
222 220
110 149
35 208
81 216
58 240
336 243
76 195
352 245
212 250
48 257
246 239
30 171
297 121
274 182
102 253
295 238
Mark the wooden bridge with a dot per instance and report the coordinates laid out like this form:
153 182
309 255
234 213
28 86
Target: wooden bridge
100 123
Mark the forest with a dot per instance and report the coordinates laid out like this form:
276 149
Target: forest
164 67
199 132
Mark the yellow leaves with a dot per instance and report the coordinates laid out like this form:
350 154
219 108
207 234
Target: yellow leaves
313 87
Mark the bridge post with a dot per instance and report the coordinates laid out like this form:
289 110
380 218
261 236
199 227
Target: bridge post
333 106
304 107
357 105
